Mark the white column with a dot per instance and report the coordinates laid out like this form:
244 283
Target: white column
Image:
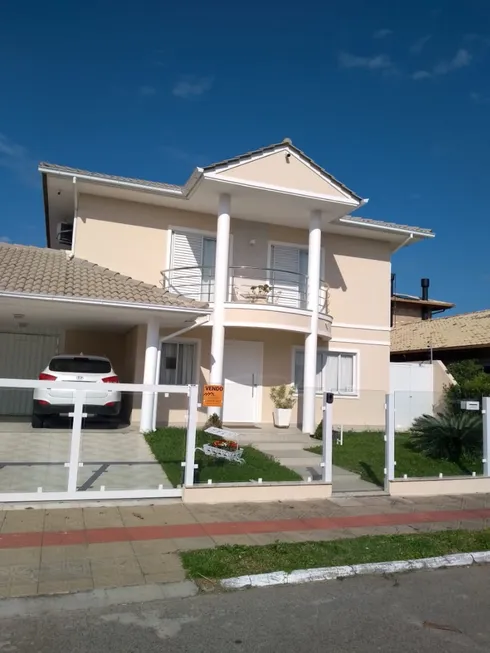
314 257
220 293
149 374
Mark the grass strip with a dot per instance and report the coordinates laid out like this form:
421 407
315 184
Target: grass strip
363 452
240 560
168 447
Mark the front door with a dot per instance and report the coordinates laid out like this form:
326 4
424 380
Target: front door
242 372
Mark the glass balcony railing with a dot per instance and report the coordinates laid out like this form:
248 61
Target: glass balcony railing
247 285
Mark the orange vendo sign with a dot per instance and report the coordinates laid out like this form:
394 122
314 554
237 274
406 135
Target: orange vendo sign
213 396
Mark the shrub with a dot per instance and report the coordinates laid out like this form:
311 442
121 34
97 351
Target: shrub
474 389
318 434
214 420
282 396
449 436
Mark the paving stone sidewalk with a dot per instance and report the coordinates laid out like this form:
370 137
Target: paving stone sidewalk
48 551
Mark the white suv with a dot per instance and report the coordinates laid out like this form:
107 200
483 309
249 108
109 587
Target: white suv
73 369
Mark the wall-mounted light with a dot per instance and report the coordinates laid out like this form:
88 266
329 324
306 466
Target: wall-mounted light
252 242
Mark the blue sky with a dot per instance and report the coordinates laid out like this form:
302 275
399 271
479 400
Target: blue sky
394 101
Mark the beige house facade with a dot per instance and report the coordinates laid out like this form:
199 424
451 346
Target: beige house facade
280 284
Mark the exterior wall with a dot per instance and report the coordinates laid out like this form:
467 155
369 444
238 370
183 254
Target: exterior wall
366 410
133 239
292 174
406 314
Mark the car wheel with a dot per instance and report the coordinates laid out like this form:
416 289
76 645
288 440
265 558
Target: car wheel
37 421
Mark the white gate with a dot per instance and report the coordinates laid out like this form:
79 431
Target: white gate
412 387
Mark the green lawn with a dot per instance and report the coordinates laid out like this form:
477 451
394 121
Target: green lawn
363 453
238 560
168 447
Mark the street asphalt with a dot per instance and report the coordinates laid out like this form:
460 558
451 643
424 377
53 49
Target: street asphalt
438 611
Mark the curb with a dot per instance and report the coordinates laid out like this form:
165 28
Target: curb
98 599
332 573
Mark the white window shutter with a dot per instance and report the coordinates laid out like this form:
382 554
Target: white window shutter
186 252
288 286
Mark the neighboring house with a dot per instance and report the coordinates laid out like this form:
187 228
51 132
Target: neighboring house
297 288
448 339
410 308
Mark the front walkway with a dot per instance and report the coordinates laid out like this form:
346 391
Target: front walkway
288 446
47 551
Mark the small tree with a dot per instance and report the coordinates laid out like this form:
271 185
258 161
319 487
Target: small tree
283 396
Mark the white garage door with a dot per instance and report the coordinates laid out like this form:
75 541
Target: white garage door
412 385
23 356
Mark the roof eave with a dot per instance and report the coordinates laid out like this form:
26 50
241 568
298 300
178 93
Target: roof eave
408 231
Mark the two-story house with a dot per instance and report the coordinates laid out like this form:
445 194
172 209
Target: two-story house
276 282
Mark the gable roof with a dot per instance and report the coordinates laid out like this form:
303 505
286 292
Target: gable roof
50 272
454 331
286 143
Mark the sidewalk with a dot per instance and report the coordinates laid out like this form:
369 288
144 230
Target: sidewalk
48 551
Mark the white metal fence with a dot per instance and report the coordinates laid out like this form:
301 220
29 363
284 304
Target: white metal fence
63 463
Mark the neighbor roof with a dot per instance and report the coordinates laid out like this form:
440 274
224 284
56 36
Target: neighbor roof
241 158
413 299
455 331
40 271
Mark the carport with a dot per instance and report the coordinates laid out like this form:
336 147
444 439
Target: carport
53 303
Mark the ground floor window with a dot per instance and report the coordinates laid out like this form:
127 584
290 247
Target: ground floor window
178 363
335 371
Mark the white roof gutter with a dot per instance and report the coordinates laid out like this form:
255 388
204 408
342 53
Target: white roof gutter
110 304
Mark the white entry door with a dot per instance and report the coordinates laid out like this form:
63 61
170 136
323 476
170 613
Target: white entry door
243 381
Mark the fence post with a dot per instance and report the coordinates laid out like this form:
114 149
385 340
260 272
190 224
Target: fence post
76 436
486 435
389 440
327 438
190 443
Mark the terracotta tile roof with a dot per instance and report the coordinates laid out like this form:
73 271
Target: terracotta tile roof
41 271
455 331
159 185
270 148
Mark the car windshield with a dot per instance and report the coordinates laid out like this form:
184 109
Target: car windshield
80 365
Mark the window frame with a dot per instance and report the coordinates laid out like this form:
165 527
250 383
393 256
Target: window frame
355 353
181 341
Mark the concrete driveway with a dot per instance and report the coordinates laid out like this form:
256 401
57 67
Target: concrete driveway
115 458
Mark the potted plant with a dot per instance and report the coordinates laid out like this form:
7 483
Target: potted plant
259 294
283 398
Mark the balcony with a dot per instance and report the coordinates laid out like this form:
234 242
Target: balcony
266 288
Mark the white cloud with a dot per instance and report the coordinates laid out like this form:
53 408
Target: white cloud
5 239
421 74
377 62
189 87
16 159
461 59
147 91
479 98
418 45
382 33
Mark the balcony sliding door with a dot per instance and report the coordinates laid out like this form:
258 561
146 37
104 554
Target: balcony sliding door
192 265
288 276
